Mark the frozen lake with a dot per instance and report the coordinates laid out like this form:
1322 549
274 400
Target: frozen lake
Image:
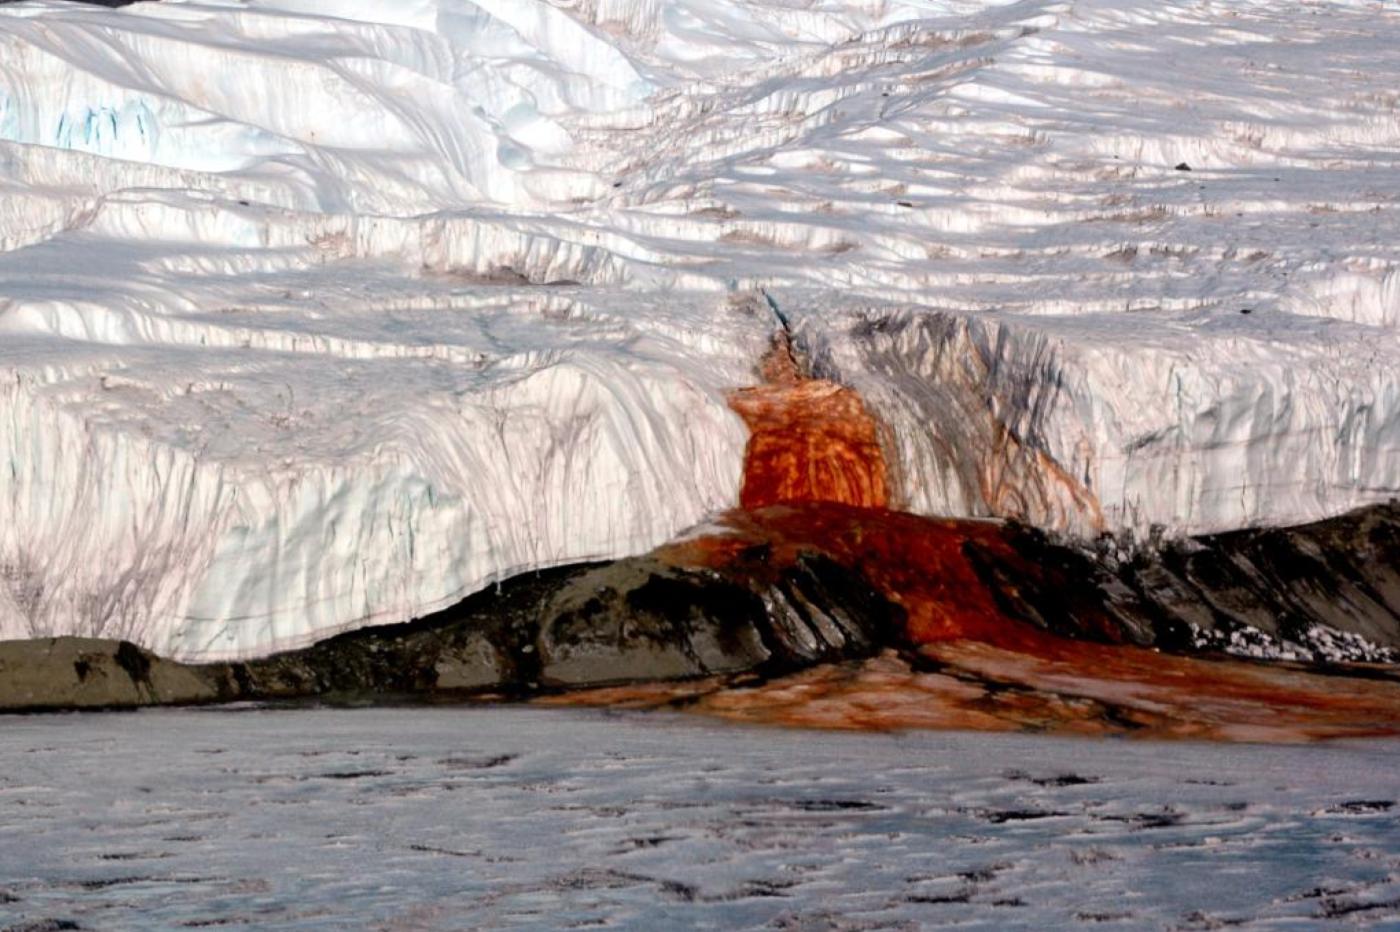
448 818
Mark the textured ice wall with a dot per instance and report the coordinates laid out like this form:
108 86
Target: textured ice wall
224 501
1136 263
317 314
1193 421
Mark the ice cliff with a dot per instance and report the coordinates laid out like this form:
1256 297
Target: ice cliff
314 315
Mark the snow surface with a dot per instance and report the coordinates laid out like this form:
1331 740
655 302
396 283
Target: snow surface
522 818
320 314
1316 643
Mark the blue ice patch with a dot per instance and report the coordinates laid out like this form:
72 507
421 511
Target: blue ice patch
128 132
9 121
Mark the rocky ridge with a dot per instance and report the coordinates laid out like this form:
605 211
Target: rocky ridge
749 599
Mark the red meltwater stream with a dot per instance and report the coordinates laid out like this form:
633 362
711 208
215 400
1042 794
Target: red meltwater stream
816 482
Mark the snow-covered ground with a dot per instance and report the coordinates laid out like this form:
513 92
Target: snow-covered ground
314 315
515 817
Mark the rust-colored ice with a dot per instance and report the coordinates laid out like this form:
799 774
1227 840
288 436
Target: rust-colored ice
1084 689
816 482
920 564
810 440
815 443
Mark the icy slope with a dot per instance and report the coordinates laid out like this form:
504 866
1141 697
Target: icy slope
317 314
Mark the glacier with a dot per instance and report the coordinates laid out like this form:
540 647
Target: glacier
320 315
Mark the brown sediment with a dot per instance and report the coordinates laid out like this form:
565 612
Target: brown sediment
815 443
989 669
1080 689
977 652
923 565
1189 697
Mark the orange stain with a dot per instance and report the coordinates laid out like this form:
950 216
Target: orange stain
810 440
994 671
816 483
923 565
1089 690
815 478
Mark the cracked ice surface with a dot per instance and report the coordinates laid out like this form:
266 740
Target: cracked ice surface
513 817
314 315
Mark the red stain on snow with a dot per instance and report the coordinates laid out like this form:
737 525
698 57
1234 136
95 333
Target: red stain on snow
810 440
816 482
815 476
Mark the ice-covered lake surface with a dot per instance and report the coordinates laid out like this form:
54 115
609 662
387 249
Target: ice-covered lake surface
408 818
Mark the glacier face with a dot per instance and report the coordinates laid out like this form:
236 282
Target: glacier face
314 315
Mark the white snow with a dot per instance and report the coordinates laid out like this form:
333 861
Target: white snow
320 314
1315 643
545 819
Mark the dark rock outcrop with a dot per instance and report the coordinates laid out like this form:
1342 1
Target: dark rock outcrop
88 673
1292 585
743 603
631 620
626 621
